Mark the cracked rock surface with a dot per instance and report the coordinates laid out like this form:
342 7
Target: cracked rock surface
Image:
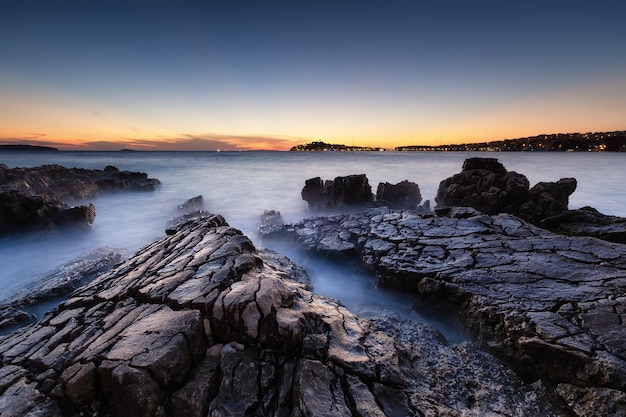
201 323
551 306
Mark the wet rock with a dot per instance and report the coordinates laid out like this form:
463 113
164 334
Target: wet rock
56 182
19 212
202 323
550 305
351 190
404 195
271 222
32 198
587 221
18 308
193 204
486 185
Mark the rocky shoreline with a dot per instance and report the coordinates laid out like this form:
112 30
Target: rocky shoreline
33 199
203 323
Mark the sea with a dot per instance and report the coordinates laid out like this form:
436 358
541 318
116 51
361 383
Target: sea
241 185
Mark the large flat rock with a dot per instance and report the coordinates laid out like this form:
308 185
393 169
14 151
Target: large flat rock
550 305
201 323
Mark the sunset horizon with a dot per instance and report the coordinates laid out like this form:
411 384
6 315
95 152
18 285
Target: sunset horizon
88 76
247 143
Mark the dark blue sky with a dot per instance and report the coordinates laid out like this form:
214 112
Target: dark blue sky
272 74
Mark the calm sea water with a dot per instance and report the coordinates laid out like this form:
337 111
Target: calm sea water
241 185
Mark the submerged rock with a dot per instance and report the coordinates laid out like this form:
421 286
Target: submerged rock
552 306
202 323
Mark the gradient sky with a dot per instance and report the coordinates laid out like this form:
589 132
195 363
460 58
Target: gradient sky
270 75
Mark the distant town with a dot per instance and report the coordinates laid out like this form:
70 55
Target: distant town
565 142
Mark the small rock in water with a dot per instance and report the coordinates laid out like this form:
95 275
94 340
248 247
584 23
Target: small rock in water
193 204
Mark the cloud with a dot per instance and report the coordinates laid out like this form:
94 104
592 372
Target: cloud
183 142
30 141
204 142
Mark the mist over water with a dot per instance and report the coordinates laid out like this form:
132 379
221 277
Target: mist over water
241 185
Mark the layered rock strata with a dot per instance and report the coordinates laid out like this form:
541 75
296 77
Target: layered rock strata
19 308
552 306
201 323
32 199
56 182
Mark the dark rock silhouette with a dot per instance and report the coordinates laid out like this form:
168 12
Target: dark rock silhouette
351 190
23 213
59 183
405 194
32 198
487 186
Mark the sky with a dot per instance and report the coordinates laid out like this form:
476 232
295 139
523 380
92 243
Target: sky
237 75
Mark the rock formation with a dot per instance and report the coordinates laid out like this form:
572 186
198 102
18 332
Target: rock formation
587 221
404 195
551 306
16 309
201 323
486 185
19 212
351 190
56 182
193 204
32 198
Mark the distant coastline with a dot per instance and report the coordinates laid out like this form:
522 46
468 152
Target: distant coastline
563 142
27 148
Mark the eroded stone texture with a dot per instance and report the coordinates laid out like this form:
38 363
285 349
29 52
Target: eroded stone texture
553 306
486 185
60 183
16 309
201 323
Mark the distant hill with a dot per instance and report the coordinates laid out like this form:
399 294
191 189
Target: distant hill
329 147
581 142
26 148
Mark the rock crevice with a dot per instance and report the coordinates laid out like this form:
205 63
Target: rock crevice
202 323
550 305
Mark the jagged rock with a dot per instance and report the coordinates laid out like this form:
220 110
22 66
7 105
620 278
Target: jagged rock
486 185
588 221
271 222
552 306
16 310
405 194
345 191
19 212
202 323
193 204
31 198
56 182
